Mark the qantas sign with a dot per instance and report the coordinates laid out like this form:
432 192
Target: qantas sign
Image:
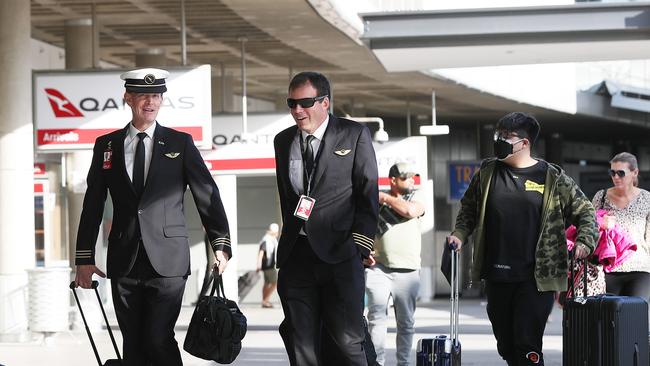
72 109
61 106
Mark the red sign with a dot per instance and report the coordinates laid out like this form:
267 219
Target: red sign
39 169
88 136
240 164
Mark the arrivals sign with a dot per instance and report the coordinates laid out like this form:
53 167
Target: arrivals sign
73 108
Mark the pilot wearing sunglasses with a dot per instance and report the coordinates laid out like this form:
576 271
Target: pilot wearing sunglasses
327 180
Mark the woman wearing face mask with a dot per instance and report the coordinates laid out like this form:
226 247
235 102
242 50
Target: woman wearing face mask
628 206
517 206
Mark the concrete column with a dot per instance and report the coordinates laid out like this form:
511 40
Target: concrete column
553 147
150 57
228 190
79 44
17 251
486 140
223 100
77 165
79 55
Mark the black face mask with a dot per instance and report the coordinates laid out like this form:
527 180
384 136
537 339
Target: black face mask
502 148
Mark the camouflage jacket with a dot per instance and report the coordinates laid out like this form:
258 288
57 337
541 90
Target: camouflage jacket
563 204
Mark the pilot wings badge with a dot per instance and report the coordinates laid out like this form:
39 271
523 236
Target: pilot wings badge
172 155
342 152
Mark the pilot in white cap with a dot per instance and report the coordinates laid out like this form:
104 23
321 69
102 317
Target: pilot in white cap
145 80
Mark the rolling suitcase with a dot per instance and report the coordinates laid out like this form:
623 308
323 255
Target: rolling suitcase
443 350
246 282
604 330
111 362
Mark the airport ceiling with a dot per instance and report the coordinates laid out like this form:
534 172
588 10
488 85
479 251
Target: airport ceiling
283 36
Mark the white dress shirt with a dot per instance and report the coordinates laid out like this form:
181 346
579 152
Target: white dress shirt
130 144
295 156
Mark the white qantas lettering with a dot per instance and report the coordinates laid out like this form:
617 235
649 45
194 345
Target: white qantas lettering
61 137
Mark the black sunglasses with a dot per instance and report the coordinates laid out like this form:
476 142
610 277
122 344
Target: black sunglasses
620 173
304 102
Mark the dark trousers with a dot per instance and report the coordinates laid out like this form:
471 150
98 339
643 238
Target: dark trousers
518 313
147 307
628 284
316 295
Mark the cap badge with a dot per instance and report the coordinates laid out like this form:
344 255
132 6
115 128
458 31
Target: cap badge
149 79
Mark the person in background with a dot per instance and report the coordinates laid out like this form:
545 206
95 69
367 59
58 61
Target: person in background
628 206
397 262
518 207
266 263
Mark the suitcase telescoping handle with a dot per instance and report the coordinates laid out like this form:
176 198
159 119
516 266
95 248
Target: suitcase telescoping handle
572 255
454 315
95 284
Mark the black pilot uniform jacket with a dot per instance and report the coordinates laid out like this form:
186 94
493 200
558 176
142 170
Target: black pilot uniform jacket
343 220
158 216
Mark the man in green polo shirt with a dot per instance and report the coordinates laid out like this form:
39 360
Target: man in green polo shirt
396 271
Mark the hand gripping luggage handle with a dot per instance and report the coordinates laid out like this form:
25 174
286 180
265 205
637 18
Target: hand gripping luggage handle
217 285
454 315
572 255
95 284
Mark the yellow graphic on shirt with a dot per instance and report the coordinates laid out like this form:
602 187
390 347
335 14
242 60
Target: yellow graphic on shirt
532 186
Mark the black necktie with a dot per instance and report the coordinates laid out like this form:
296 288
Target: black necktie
138 165
308 158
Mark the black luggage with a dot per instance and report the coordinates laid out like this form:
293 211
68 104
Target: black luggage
217 327
246 282
604 330
443 350
111 362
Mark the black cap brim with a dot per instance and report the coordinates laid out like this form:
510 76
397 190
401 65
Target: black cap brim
139 86
139 89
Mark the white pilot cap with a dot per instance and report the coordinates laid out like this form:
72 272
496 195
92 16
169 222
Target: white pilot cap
148 80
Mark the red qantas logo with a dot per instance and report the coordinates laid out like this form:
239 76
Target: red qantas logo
61 106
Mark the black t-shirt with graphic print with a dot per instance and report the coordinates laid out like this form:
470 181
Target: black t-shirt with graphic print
512 222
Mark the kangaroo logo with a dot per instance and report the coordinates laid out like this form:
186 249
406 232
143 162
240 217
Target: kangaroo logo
61 106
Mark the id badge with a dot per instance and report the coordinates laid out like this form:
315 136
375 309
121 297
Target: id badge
304 207
108 157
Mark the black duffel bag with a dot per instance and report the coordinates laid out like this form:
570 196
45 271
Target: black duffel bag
217 327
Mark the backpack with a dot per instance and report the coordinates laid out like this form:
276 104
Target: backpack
217 327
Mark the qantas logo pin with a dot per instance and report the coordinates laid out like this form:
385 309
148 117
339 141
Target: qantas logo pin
108 156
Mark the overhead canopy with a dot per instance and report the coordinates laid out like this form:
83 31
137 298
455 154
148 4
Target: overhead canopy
623 96
410 41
